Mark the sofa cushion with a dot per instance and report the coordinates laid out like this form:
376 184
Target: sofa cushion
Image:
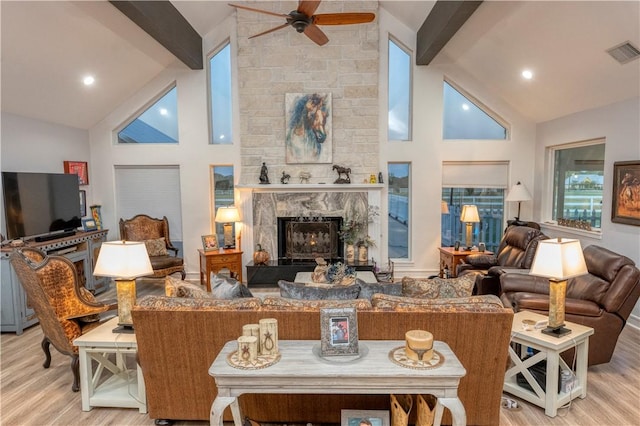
174 287
436 288
484 303
369 289
156 247
318 291
282 303
189 304
228 288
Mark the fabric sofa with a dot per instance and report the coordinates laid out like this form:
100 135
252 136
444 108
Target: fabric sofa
516 251
602 299
178 339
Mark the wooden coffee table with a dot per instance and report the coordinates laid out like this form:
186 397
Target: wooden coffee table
301 370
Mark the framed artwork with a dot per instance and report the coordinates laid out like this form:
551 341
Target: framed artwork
308 137
626 192
364 418
89 225
83 203
79 168
210 242
339 332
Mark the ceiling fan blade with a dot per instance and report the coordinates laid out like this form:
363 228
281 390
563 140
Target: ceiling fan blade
316 35
343 18
308 7
280 15
279 27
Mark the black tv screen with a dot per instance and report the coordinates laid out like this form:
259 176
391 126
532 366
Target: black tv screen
38 204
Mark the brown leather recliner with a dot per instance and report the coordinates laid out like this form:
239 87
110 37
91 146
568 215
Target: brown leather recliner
516 251
602 299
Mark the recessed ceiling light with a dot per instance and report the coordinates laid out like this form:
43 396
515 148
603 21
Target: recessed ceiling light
527 74
88 80
163 111
465 107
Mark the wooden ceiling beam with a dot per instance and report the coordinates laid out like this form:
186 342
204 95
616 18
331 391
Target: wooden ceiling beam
444 20
162 21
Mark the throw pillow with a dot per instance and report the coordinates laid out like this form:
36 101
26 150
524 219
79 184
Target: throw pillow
157 247
438 288
227 288
174 287
369 289
303 291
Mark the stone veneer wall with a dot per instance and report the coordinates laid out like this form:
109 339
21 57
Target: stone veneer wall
267 207
288 62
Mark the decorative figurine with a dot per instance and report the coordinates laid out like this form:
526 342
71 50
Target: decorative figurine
380 177
342 171
285 178
372 178
264 176
304 177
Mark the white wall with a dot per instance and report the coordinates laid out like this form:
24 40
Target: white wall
29 145
619 125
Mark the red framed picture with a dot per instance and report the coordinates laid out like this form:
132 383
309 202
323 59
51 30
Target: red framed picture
78 168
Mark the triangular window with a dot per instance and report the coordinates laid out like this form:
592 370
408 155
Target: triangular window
467 118
157 124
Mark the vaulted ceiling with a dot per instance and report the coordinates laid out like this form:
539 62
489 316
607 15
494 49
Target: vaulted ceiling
48 46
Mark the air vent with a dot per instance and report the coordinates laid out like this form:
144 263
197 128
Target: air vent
624 53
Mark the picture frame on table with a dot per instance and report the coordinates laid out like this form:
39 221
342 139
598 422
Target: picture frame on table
626 193
79 168
210 242
83 203
89 225
364 418
339 332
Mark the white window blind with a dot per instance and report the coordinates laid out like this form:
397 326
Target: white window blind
475 174
150 190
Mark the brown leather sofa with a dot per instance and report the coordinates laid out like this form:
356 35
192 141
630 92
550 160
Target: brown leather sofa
516 251
178 339
602 299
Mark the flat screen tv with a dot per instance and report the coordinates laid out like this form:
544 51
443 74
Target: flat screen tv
41 205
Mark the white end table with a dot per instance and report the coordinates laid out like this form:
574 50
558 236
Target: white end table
549 348
125 388
301 370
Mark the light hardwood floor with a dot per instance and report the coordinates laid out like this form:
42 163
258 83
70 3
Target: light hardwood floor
32 395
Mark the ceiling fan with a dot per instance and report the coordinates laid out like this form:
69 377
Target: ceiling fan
304 21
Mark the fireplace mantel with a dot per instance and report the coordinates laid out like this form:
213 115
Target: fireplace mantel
312 187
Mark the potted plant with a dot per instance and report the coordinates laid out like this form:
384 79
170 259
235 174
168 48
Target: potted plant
363 248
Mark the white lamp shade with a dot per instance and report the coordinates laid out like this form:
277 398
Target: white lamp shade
518 192
227 215
123 259
558 259
469 213
444 207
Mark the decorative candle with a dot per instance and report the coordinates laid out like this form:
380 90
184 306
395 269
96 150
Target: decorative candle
248 348
252 330
419 345
268 336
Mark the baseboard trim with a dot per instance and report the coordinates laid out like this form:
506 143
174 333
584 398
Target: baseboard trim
634 321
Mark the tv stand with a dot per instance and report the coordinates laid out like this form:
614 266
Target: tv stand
51 237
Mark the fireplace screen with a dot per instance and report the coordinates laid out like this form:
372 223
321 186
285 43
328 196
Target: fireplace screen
305 238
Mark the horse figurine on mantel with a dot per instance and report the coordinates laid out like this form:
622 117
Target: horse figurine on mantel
342 171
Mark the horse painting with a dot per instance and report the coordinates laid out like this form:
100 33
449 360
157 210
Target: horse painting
308 128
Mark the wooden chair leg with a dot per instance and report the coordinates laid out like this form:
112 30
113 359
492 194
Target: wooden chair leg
47 353
75 368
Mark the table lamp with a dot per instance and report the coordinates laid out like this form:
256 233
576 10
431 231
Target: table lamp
469 216
444 207
519 193
124 261
227 215
558 259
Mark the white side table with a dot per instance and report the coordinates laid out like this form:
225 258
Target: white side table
125 388
301 371
549 348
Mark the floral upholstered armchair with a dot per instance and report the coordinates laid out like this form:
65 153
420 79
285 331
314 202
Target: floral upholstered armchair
155 234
